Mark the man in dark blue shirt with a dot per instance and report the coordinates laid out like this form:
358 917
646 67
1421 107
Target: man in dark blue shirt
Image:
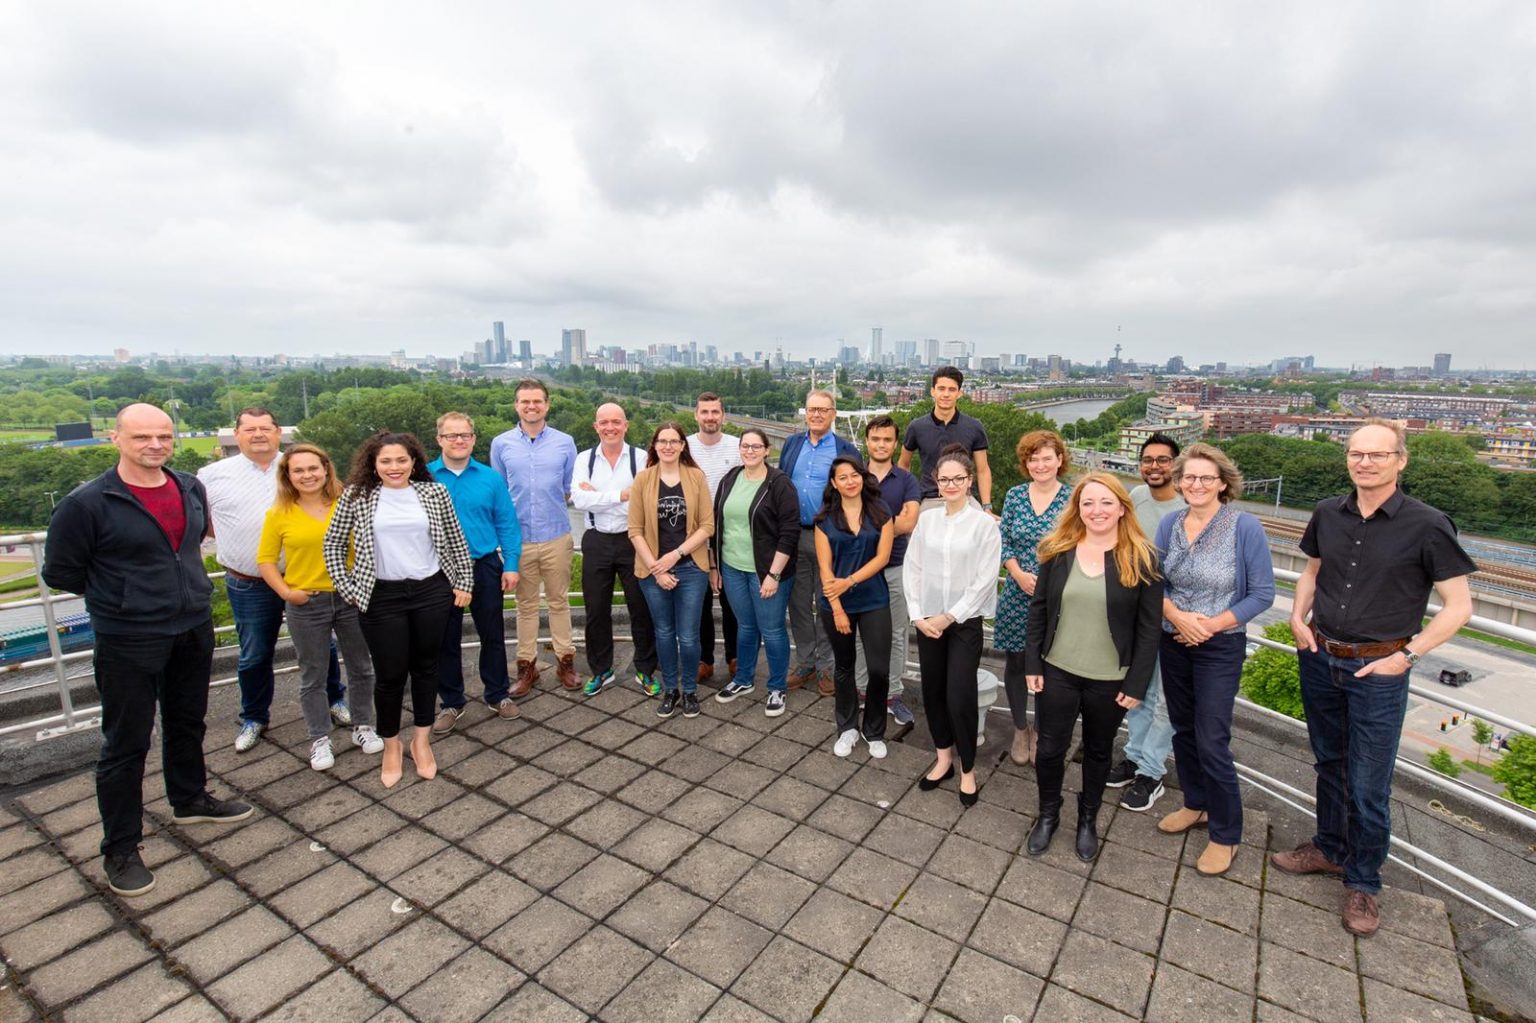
929 435
903 500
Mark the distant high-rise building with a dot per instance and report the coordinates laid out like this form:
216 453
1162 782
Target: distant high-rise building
499 332
1442 364
1020 361
955 352
525 353
906 352
930 351
876 345
1056 367
573 347
1176 364
847 355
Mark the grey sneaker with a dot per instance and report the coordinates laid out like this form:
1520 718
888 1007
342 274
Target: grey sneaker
205 809
446 719
899 711
127 875
1142 794
341 715
248 736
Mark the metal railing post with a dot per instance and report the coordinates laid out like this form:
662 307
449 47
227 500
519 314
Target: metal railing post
50 621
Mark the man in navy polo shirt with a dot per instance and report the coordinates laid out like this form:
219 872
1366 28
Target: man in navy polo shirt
945 425
903 499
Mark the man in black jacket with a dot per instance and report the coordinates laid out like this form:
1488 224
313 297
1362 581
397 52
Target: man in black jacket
129 542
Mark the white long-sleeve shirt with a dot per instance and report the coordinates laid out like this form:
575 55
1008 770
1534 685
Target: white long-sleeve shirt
951 564
605 512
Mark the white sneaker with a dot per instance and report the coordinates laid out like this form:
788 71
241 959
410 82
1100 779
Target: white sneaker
845 743
320 756
877 749
364 737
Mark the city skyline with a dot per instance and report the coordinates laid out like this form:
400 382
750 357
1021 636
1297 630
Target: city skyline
1179 180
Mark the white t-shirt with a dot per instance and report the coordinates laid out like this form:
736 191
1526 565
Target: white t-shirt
402 537
715 459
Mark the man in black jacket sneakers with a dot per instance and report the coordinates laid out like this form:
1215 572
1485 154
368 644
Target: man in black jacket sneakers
129 541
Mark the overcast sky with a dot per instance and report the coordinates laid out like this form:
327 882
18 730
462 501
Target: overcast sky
1230 181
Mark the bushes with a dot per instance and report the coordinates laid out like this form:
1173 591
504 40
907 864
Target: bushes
1517 770
1272 678
1442 761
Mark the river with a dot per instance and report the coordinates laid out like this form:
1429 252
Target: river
1075 410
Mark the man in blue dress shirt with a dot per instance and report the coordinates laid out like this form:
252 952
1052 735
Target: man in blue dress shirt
537 462
489 521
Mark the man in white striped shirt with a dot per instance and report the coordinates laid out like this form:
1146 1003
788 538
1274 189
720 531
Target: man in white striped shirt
716 452
240 490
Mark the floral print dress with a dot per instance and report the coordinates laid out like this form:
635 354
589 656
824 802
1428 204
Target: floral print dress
1022 532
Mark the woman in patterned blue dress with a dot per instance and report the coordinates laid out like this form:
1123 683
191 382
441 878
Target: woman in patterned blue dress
1029 513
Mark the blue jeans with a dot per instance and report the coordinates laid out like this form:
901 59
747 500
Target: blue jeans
759 618
675 616
1200 686
485 608
258 614
1354 725
1151 733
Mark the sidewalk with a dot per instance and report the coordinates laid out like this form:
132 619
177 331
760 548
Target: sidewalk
590 861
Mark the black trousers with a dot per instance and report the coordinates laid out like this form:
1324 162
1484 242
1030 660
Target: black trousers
707 627
134 674
485 607
404 627
1016 688
873 629
604 557
1065 698
948 665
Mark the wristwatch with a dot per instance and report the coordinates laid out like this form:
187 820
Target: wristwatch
774 576
1412 657
987 506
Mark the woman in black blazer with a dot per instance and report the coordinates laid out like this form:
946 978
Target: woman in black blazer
752 554
1094 625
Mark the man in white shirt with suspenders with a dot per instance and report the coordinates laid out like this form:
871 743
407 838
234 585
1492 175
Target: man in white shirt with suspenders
716 452
600 489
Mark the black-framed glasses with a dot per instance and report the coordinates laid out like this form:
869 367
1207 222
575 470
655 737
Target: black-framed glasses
455 436
952 481
1204 481
1374 457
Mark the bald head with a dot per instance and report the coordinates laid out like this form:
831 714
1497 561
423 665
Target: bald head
141 414
611 424
145 439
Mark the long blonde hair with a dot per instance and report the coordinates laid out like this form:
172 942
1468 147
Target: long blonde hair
287 493
1134 553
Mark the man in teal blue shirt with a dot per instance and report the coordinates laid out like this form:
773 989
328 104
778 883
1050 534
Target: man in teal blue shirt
489 520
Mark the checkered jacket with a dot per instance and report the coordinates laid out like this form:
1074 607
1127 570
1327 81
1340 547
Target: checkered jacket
350 535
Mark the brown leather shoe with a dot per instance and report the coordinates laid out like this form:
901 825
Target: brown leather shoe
506 709
825 685
1361 916
1216 859
565 671
706 672
799 677
1306 858
1023 749
527 675
1181 820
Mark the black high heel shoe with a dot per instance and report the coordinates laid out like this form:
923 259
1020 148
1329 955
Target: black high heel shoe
927 784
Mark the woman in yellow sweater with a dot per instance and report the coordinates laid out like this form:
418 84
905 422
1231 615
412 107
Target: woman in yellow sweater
307 489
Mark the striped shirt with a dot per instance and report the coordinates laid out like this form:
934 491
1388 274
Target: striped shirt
239 494
715 459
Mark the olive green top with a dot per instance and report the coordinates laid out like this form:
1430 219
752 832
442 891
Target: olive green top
1083 644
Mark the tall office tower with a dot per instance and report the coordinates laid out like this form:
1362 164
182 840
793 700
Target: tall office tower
499 332
573 347
525 353
906 352
876 345
955 352
1020 361
485 353
930 351
1442 364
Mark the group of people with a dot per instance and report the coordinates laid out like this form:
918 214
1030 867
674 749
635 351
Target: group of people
1114 606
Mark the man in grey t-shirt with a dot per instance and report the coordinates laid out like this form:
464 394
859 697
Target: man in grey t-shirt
1151 735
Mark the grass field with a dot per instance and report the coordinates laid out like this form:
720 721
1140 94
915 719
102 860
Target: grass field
22 436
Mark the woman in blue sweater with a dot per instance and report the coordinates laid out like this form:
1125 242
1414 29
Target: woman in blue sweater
1218 576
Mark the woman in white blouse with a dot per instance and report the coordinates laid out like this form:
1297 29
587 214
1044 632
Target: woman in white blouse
950 581
394 549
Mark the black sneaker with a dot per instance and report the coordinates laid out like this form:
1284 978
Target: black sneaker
206 809
690 705
1143 793
127 875
1121 775
669 701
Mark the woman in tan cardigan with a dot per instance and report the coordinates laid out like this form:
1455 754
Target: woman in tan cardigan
671 518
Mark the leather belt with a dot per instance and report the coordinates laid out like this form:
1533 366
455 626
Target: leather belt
1381 649
242 575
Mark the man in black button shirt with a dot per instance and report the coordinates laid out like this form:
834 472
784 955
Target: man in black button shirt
1372 558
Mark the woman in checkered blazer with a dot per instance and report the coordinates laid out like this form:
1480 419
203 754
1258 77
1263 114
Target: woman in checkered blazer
394 548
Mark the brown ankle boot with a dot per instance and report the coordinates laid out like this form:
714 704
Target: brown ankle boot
527 675
565 671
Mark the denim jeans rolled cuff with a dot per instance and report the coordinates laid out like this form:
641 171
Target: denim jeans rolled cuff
258 615
1355 726
311 626
1200 686
759 619
1151 733
675 619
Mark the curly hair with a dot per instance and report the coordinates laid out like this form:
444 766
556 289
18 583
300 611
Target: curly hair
1033 441
364 478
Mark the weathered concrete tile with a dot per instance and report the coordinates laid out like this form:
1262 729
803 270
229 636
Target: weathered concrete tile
439 877
338 996
904 838
1037 885
575 720
694 764
43 940
551 860
139 995
463 990
1308 986
982 988
1182 997
486 903
1188 942
994 826
833 925
71 818
702 809
1424 969
1109 973
656 844
730 1009
1121 917
653 747
336 803
710 868
415 799
613 734
606 824
968 862
1058 1005
505 837
656 916
873 878
273 873
533 1003
602 886
481 769
521 785
719 946
203 909
768 895
214 953
1228 903
404 850
731 739
269 979
193 1009
321 894
741 779
538 934
907 957
351 834
1416 916
1308 930
28 868
463 817
753 830
1387 1004
42 898
812 854
362 923
662 993
1018 936
653 792
1131 870
858 998
598 966
559 804
848 819
51 797
409 956
787 981
942 906
776 754
792 798
610 774
938 806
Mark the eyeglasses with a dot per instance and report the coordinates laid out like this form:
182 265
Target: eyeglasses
1374 457
752 447
1204 481
1158 460
668 443
819 410
455 436
952 481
